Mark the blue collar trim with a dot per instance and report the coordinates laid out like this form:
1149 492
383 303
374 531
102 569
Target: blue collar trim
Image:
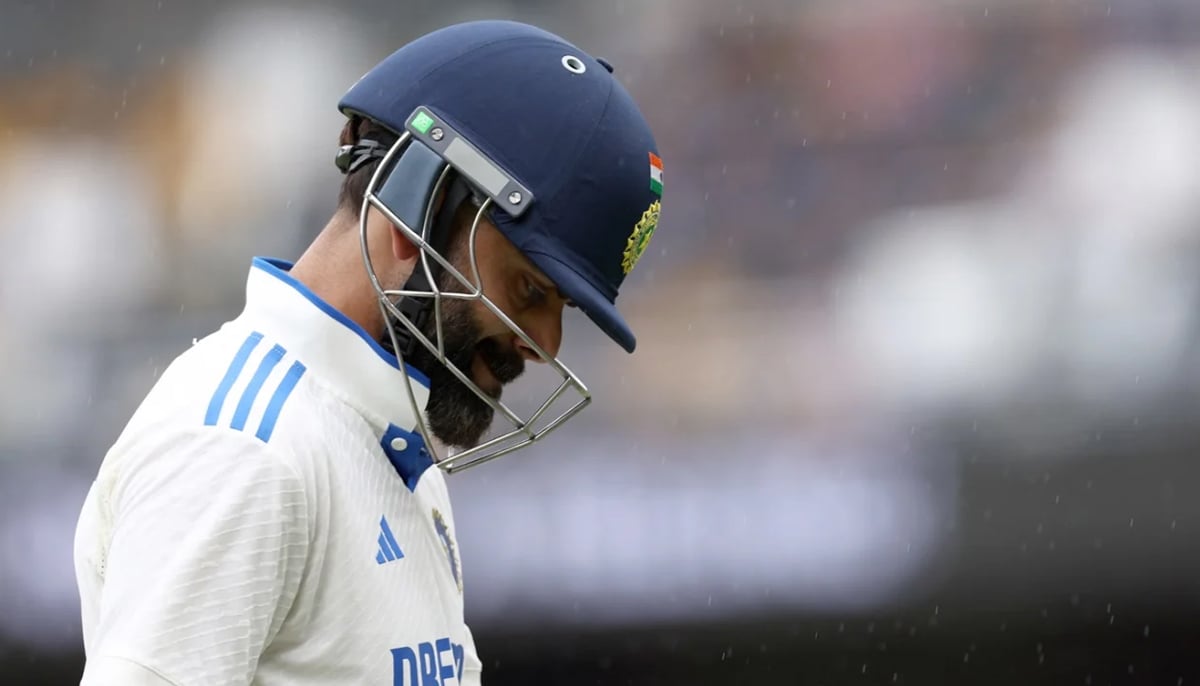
280 268
406 451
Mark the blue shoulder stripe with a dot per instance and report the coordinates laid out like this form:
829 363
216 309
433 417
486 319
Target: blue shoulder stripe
231 375
241 414
272 358
275 406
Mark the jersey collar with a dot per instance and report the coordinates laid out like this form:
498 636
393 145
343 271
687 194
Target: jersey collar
337 349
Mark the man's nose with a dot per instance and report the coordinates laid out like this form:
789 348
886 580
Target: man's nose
546 332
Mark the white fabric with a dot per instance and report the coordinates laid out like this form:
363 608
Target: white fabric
207 555
115 670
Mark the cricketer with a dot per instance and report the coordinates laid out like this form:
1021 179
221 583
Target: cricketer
269 514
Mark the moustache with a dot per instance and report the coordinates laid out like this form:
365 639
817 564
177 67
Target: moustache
506 364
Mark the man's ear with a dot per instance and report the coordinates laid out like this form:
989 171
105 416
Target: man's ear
402 249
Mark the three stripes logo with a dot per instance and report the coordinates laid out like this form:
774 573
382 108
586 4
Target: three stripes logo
389 550
282 386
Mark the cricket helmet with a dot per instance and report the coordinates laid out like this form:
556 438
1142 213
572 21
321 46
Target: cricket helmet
549 146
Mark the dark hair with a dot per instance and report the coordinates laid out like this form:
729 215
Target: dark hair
354 184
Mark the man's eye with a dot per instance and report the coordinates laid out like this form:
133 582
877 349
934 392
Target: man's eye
533 294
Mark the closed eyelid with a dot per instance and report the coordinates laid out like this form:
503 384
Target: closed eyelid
546 286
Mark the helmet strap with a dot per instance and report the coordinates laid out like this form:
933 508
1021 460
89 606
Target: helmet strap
351 158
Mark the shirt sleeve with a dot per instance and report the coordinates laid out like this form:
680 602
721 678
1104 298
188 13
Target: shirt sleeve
472 665
208 544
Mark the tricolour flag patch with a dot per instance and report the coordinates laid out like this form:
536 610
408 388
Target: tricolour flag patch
656 173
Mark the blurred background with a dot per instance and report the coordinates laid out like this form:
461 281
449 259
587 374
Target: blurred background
915 400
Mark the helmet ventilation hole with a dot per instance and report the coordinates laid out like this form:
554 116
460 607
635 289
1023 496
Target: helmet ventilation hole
573 64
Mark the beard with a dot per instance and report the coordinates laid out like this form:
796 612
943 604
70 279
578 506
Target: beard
456 415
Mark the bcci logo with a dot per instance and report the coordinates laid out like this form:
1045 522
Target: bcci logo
643 231
443 532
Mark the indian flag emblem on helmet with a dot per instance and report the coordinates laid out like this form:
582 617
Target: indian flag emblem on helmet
656 174
640 238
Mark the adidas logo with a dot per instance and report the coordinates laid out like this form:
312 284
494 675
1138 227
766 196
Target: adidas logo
389 549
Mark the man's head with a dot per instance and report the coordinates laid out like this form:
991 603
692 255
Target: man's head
524 178
474 339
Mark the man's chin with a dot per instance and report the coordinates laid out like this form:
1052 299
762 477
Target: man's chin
459 419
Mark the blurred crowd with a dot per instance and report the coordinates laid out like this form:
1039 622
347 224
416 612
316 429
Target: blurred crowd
879 216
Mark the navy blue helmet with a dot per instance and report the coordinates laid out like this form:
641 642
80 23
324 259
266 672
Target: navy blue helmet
543 129
546 143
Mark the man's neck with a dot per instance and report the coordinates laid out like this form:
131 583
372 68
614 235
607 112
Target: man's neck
332 268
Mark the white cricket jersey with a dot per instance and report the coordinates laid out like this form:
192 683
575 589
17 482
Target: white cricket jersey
269 516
